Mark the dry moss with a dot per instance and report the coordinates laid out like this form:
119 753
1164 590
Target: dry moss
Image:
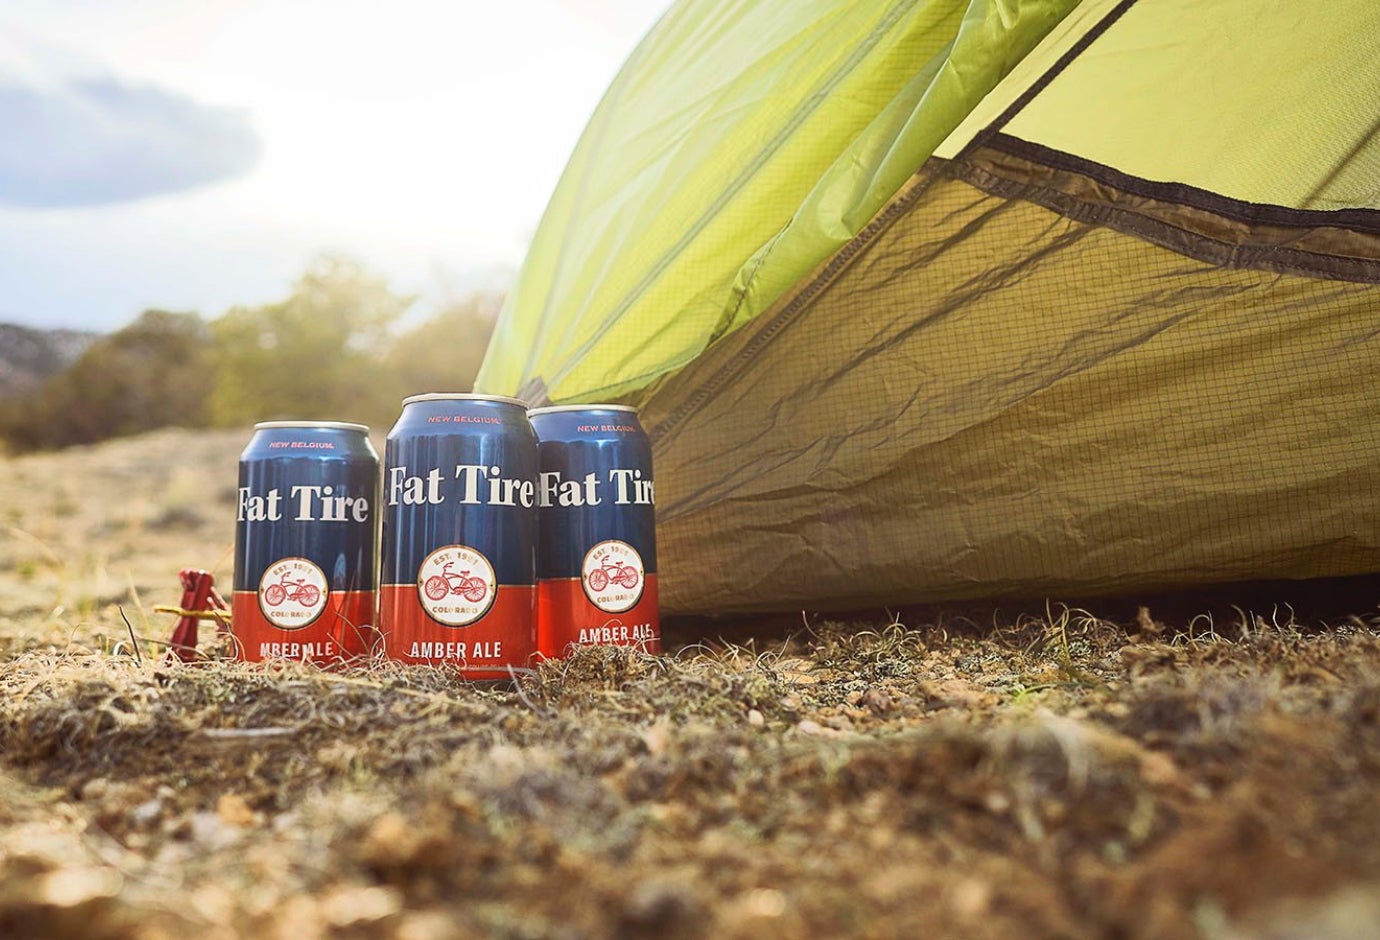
1049 780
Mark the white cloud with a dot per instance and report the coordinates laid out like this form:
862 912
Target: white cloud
78 132
97 140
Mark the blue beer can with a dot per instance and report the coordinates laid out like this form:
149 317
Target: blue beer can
596 536
305 536
458 579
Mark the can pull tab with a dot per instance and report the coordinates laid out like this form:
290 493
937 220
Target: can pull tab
200 601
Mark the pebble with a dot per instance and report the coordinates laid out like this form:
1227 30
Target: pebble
146 813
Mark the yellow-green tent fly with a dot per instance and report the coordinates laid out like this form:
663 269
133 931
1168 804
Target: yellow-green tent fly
935 299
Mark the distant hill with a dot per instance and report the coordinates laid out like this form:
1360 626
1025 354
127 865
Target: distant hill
28 356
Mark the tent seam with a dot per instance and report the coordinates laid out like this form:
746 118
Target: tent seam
1175 238
1361 220
1043 82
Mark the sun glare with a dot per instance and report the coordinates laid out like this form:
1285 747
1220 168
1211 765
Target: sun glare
439 124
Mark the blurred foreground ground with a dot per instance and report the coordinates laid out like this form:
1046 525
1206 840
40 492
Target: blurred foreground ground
1049 777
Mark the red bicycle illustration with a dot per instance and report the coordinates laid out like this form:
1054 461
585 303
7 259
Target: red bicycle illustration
288 590
612 572
439 585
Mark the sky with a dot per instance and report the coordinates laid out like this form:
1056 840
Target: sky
197 154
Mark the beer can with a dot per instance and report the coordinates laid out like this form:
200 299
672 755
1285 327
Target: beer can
305 536
596 538
458 582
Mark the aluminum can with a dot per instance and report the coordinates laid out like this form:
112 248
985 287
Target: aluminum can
596 538
458 582
305 537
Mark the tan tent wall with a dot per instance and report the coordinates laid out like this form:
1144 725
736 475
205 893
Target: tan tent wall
981 396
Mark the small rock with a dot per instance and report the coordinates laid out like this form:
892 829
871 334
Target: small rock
764 903
390 842
348 907
209 829
146 813
1159 769
234 811
73 887
95 789
971 898
877 702
957 693
656 737
426 925
756 718
286 822
170 855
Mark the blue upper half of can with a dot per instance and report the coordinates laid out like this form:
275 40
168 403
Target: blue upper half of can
595 485
460 470
308 490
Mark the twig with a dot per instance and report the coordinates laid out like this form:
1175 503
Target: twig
233 734
379 686
138 656
222 616
517 687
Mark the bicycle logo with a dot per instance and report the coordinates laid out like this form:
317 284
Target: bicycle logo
292 593
288 590
456 585
439 585
613 572
612 576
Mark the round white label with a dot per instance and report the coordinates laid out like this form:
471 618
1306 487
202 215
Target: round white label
292 593
456 585
613 576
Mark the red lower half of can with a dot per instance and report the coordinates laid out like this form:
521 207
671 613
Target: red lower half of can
506 636
342 629
566 617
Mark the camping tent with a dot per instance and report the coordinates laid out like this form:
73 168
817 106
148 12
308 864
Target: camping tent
933 299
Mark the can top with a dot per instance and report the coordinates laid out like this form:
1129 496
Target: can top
326 425
553 409
462 396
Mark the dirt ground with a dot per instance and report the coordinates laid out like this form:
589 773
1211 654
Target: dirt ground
1033 776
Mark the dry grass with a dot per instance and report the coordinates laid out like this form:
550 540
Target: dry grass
1050 776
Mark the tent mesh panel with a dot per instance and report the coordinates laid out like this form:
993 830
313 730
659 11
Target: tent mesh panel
991 398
